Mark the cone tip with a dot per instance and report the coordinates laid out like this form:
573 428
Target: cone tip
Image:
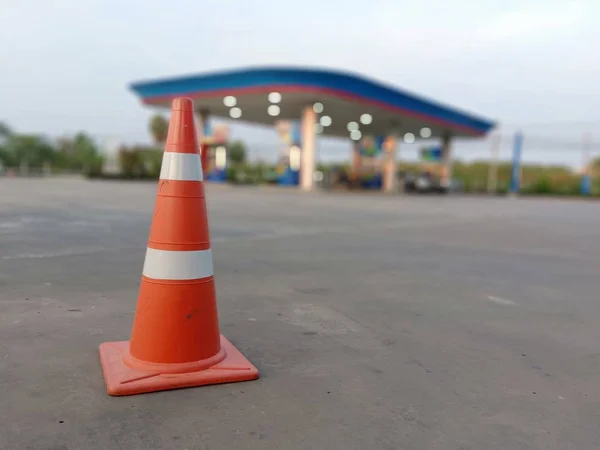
182 104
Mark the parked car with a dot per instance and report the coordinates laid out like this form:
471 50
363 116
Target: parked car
425 183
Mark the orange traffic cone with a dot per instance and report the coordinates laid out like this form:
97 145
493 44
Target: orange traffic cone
175 341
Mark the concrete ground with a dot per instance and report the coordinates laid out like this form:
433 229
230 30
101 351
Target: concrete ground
376 322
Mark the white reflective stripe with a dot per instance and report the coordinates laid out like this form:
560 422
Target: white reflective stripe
178 265
181 166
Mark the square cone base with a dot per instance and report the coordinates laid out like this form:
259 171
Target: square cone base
122 380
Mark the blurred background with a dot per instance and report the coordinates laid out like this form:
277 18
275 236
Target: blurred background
530 66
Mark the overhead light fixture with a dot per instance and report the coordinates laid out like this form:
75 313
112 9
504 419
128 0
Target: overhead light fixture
355 135
409 138
235 113
274 97
273 110
318 107
318 128
352 126
230 101
325 121
366 119
425 132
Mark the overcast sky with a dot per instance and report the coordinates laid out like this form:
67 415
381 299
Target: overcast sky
66 64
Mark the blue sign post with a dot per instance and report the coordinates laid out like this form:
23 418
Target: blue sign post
586 184
515 181
586 179
431 154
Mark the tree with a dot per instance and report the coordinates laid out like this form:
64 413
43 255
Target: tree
30 149
6 156
85 152
79 152
5 131
237 152
33 150
159 127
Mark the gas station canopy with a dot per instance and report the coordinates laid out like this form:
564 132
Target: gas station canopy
344 101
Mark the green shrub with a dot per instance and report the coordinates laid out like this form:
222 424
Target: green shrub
94 167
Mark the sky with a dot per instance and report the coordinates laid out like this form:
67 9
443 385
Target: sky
530 65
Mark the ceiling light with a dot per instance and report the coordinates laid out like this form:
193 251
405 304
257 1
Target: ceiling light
325 121
235 113
355 135
273 110
425 132
366 119
274 97
409 138
318 107
229 101
352 126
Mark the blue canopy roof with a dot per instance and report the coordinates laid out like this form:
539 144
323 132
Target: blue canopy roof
312 84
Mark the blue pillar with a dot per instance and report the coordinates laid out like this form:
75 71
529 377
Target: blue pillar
586 184
586 179
515 181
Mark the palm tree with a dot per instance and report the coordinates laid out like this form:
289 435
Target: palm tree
159 126
237 152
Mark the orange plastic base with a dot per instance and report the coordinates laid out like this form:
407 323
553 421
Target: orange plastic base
122 380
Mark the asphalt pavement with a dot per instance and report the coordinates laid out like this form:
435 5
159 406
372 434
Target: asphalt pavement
376 321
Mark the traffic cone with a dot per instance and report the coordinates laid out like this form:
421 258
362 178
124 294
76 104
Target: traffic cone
175 342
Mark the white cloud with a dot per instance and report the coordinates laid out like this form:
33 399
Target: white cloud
533 21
